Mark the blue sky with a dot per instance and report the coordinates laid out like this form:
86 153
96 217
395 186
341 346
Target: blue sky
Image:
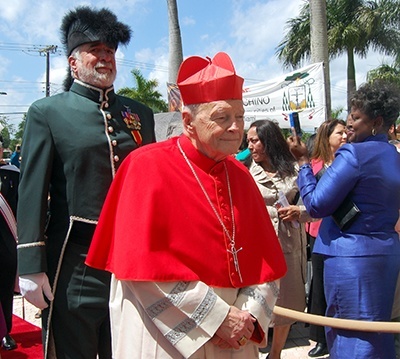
248 31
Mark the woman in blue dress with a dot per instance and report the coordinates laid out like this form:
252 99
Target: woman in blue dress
361 258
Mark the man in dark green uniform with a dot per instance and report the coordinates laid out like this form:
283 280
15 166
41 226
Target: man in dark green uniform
73 144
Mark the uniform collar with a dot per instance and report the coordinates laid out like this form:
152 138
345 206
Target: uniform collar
93 93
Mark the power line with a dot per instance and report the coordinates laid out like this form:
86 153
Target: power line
54 48
143 65
12 113
20 85
14 105
22 81
26 48
45 50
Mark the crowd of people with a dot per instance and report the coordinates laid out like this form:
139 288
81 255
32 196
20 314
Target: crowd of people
358 198
176 249
273 168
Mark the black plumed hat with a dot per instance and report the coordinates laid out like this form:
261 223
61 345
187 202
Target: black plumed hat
84 24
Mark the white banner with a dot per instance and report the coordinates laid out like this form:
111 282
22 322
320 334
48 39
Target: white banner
301 91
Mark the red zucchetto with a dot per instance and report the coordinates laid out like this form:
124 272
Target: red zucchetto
204 80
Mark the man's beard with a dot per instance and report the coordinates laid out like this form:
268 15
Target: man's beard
92 77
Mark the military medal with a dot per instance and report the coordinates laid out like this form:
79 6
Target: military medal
132 121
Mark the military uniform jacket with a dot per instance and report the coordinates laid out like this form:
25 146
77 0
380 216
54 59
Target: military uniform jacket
73 145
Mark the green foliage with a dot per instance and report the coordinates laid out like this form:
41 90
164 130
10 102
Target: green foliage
20 130
145 92
6 132
337 112
354 27
18 135
385 72
11 138
305 136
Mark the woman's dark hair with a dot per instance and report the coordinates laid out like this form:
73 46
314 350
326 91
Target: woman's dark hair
379 98
243 145
322 149
275 147
310 144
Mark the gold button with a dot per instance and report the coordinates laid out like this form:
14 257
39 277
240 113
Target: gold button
114 142
108 116
110 129
106 105
116 158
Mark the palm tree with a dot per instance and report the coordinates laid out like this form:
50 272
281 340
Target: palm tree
175 41
353 26
319 44
337 112
145 92
385 72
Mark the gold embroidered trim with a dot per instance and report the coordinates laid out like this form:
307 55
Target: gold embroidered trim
28 245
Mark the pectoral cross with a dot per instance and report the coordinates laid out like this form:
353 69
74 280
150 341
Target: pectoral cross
234 253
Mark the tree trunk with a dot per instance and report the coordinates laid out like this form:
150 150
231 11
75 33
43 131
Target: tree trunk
351 75
319 45
175 41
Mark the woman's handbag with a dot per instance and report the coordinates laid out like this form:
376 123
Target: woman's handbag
347 212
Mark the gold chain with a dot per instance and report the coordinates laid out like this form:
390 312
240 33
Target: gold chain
232 243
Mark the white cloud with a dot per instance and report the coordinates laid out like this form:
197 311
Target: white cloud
3 68
158 58
188 21
11 10
338 75
256 31
58 72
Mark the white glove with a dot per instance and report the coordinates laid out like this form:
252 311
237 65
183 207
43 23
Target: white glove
33 286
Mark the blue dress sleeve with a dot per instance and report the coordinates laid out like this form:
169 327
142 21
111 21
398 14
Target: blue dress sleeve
322 198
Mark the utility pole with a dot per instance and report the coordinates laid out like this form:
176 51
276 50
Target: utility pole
51 49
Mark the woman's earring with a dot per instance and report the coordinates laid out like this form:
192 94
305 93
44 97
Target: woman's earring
373 132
